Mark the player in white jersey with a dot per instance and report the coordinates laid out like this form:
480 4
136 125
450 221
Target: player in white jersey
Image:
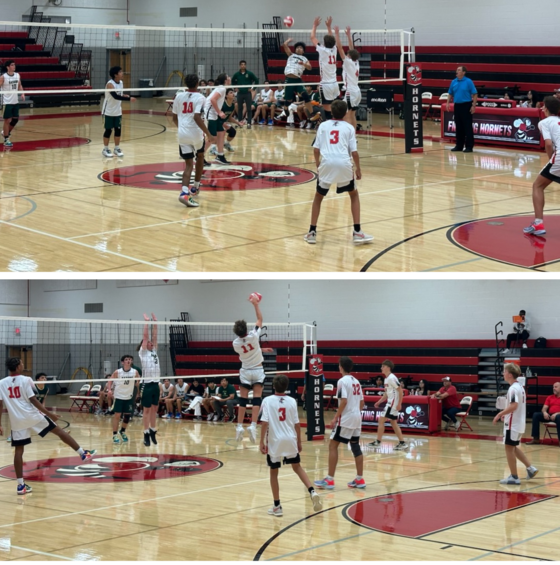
147 350
334 149
393 395
215 117
10 84
346 425
281 441
187 116
251 375
124 392
328 87
514 417
295 65
27 414
112 111
550 130
350 75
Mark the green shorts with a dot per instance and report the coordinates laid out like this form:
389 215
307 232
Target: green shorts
293 85
123 406
11 111
150 395
113 122
215 126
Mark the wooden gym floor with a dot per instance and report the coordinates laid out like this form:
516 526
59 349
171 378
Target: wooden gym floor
64 208
440 501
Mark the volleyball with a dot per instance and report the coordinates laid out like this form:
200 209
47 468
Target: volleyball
255 297
288 21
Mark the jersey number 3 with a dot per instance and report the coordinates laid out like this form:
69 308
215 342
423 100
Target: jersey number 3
187 107
14 392
281 414
334 137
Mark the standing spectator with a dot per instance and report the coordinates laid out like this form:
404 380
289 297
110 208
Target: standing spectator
227 397
393 395
521 332
463 94
550 413
514 417
451 404
244 96
281 441
550 130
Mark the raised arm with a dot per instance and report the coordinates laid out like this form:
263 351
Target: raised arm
349 36
145 333
328 23
338 44
258 312
287 50
316 23
154 332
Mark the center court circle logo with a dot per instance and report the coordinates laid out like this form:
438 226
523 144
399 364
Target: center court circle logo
114 468
235 176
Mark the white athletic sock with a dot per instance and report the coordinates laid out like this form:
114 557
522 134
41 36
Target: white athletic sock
21 481
80 451
538 221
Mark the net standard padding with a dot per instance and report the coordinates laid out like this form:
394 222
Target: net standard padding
74 351
72 59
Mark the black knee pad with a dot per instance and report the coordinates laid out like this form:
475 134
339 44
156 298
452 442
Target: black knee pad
107 133
126 418
356 449
256 401
232 132
117 132
14 122
243 402
328 114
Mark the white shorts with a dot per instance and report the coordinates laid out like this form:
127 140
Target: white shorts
23 437
353 98
251 376
337 171
191 143
341 434
329 92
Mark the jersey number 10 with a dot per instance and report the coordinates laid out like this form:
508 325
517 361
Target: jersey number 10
14 392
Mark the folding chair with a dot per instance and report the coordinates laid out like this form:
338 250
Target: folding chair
548 427
465 402
436 108
328 392
427 97
80 400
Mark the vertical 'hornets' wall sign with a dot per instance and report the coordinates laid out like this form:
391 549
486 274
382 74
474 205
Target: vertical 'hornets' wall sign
314 398
414 140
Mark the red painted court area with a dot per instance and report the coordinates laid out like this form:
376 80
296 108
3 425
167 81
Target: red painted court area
502 239
405 514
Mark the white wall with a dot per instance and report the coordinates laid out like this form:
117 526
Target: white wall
437 22
13 298
399 309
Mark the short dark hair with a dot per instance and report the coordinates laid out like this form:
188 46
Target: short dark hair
300 44
228 90
462 67
114 71
280 383
8 63
221 79
329 41
126 357
339 109
12 364
191 81
223 379
552 104
240 328
242 61
388 363
38 375
346 363
353 54
522 312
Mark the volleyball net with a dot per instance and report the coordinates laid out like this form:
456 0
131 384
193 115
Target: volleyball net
74 60
72 352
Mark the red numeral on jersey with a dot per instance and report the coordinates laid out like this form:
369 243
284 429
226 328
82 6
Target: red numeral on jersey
332 60
187 107
249 346
334 137
356 390
281 414
14 392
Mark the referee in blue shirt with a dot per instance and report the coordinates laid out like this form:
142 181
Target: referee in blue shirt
463 93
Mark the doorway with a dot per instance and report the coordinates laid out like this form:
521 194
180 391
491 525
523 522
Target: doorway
25 353
121 58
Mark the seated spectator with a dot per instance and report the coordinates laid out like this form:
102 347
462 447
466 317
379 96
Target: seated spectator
227 397
550 413
521 330
278 104
317 111
530 102
557 93
451 404
167 396
379 382
202 87
506 96
422 389
41 388
266 98
195 393
208 399
180 396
